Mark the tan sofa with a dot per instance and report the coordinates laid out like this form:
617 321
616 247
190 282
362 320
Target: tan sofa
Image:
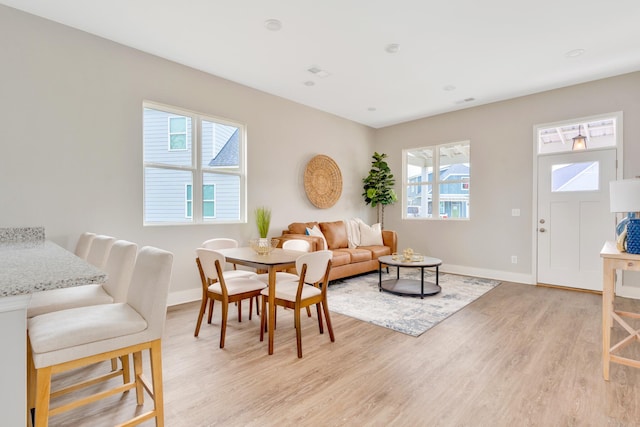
345 261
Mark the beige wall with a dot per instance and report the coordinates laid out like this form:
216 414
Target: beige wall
71 114
71 111
502 153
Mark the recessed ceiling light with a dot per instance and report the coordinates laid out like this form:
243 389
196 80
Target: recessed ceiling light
392 48
273 25
309 83
574 53
448 88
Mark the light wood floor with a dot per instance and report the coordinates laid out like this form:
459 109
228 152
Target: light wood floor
519 356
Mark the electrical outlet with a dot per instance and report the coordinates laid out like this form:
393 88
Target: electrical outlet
514 259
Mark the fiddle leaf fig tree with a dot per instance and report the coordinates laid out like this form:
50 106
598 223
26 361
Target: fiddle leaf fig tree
378 186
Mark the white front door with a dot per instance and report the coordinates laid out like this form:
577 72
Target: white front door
573 217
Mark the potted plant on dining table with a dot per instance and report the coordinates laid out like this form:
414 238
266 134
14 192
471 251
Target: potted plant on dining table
263 245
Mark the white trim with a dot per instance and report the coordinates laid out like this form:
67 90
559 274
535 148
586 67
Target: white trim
182 297
506 276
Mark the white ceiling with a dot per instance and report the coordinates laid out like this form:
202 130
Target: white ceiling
449 50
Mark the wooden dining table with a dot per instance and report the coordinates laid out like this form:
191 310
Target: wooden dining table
279 259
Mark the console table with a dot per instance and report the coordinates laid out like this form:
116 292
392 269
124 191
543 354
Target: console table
409 286
614 260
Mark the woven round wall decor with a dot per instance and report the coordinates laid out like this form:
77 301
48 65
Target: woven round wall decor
322 181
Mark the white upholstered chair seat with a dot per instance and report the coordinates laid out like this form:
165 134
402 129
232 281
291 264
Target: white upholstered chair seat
59 330
236 274
287 291
237 286
66 298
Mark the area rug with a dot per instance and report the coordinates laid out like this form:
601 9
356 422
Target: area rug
359 297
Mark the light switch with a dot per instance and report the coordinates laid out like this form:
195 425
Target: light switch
515 212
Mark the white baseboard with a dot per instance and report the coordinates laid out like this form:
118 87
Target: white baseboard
181 297
506 276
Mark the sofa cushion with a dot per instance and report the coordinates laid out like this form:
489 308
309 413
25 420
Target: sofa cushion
300 227
340 257
335 233
377 251
356 255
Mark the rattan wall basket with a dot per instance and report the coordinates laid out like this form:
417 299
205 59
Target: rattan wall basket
322 181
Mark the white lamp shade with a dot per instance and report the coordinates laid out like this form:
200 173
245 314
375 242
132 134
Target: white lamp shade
625 195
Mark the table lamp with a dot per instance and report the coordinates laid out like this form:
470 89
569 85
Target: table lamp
625 197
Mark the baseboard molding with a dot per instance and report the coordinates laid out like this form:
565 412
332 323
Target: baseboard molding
504 276
190 295
182 297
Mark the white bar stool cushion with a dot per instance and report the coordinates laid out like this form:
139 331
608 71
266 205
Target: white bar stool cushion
60 330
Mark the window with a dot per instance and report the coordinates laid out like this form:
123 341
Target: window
194 167
437 176
599 132
575 177
177 133
208 201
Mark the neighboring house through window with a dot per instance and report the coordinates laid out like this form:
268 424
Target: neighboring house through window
194 167
437 176
208 201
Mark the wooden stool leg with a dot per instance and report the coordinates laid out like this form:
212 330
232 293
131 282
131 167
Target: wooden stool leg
43 390
126 371
137 369
155 355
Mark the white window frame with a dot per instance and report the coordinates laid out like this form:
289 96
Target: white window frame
198 170
435 183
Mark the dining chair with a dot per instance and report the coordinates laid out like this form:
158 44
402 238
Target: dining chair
119 268
314 269
99 250
227 243
217 287
295 245
70 339
84 244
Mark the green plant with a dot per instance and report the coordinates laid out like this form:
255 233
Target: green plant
263 220
378 186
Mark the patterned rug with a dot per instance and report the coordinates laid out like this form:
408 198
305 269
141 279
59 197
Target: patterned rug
359 297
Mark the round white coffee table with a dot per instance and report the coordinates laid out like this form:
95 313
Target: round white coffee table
409 286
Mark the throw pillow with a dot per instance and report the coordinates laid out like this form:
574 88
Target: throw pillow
315 231
371 235
335 233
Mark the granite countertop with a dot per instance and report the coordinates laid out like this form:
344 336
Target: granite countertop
31 266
